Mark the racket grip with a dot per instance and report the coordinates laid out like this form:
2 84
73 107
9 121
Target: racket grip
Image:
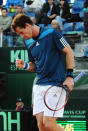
66 88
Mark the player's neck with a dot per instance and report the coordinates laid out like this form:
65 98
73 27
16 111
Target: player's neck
35 31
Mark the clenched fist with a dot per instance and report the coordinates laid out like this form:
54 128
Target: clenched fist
19 63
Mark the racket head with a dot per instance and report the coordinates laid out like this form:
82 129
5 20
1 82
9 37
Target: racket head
55 98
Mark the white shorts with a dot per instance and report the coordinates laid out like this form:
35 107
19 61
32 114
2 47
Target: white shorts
38 102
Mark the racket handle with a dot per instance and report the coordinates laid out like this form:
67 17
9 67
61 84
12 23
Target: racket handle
66 89
79 76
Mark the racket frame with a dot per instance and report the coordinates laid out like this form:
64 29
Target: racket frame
67 97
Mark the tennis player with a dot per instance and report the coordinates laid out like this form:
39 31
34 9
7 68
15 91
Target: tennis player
44 49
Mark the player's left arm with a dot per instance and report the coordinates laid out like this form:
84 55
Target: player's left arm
69 65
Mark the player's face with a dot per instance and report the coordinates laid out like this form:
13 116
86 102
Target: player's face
25 33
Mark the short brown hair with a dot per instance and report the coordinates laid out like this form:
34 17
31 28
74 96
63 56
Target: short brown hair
20 20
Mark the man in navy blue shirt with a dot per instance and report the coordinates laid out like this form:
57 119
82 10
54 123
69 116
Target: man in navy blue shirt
45 47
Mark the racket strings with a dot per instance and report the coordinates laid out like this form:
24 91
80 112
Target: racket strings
57 102
55 98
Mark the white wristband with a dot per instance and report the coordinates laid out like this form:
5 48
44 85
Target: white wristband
26 66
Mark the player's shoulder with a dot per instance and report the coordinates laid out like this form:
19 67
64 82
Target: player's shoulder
52 30
46 30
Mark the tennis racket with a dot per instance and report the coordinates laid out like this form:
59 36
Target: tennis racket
55 98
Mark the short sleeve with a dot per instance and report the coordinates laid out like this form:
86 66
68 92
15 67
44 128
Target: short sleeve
59 40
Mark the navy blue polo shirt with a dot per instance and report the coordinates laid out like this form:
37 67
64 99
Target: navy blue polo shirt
46 52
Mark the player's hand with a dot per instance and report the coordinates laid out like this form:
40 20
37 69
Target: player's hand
19 63
69 82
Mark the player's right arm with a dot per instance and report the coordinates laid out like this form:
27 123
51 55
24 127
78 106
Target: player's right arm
21 64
